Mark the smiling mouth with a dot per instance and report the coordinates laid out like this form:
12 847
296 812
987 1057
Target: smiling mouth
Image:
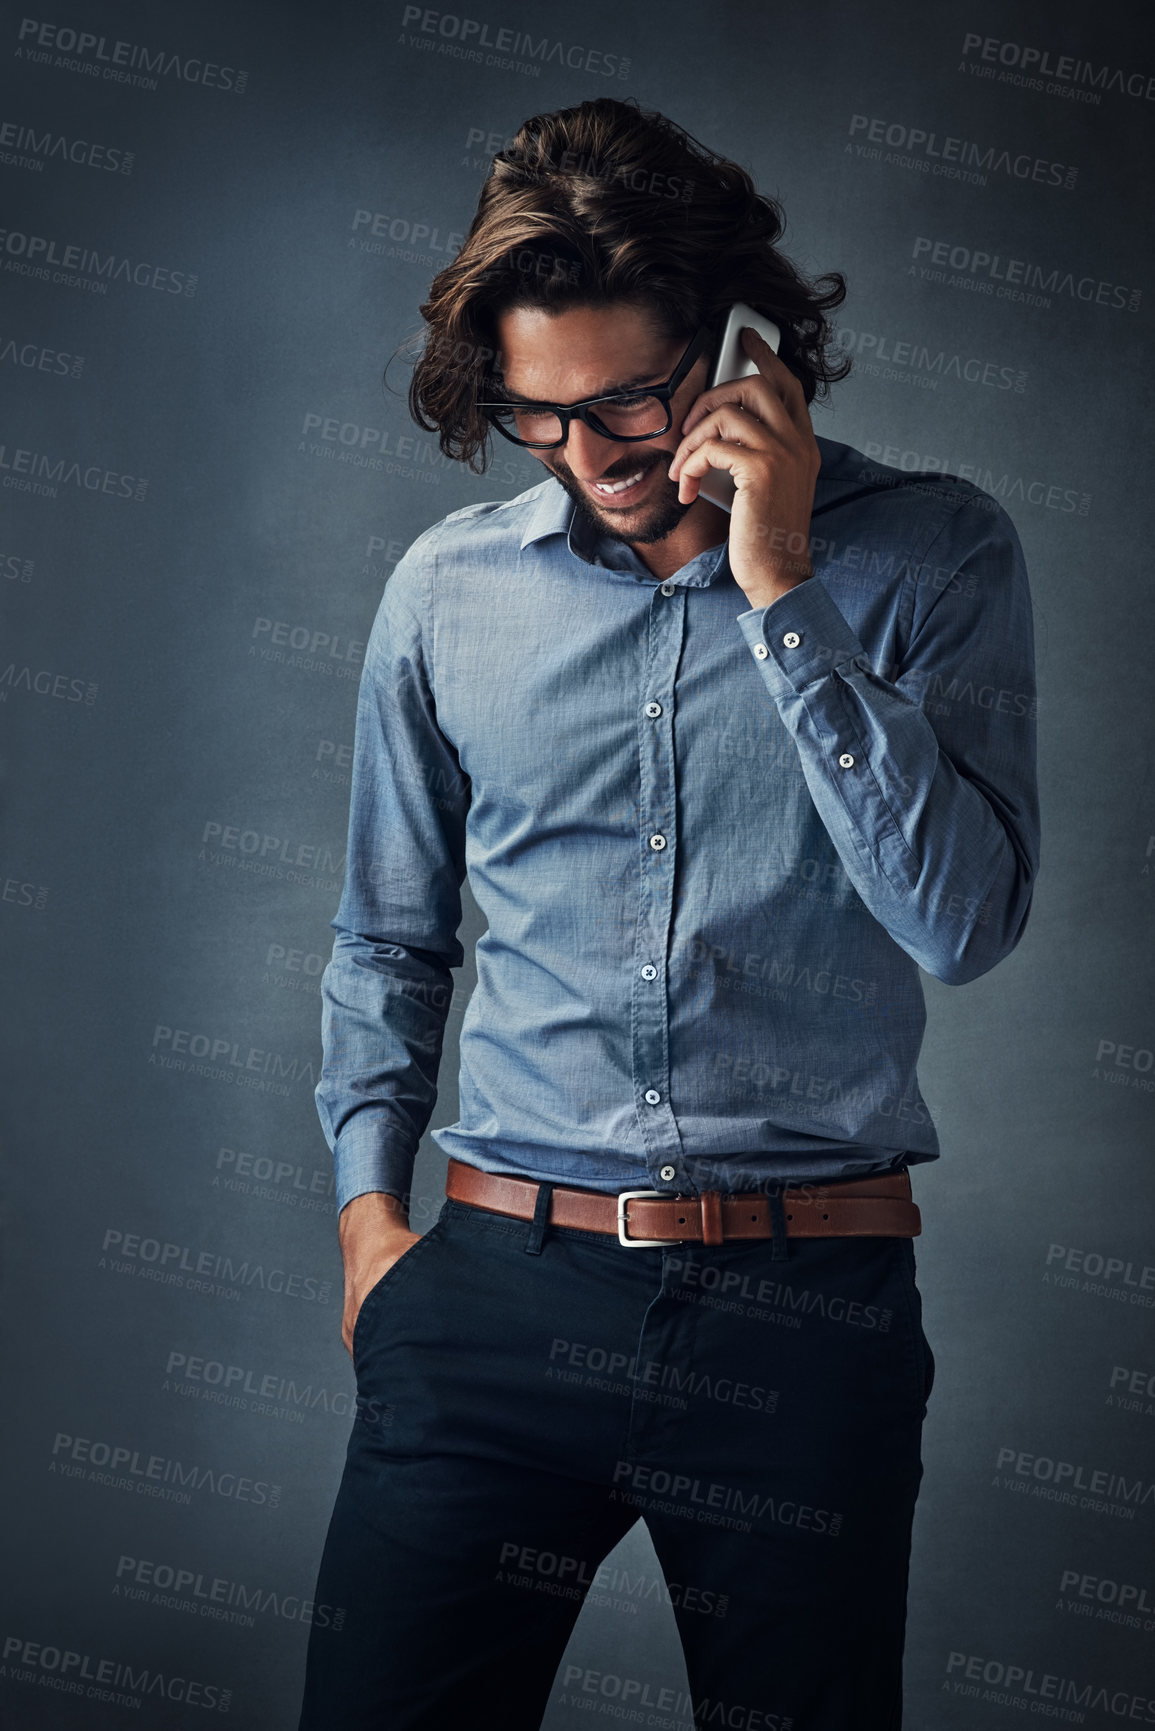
621 491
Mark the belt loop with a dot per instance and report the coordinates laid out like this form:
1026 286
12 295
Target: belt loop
780 1251
711 1205
537 1226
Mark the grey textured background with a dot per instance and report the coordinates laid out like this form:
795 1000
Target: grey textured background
160 721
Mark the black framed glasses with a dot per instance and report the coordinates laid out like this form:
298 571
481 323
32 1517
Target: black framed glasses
622 415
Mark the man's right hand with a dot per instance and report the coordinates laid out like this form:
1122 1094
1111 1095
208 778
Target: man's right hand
373 1231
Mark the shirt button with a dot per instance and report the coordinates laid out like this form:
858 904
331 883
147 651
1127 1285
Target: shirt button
761 651
657 842
667 1174
653 710
668 588
791 640
649 972
652 1097
846 761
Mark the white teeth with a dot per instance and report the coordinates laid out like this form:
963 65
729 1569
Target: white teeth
619 486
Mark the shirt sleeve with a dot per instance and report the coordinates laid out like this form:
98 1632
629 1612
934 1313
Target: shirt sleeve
387 990
923 772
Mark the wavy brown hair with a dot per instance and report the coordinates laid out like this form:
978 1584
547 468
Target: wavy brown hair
608 202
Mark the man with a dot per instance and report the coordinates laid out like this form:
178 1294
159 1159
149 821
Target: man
721 784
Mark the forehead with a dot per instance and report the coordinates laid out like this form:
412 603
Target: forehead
561 357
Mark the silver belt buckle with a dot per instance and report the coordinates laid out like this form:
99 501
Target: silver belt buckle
625 1196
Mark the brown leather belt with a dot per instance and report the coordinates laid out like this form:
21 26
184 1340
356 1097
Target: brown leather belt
852 1208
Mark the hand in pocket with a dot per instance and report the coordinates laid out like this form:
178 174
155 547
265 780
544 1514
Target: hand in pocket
374 1234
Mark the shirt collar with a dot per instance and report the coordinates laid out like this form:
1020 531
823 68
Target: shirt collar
556 514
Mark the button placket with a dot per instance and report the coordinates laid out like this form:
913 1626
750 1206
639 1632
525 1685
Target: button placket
657 842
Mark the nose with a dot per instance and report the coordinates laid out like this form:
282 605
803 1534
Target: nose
589 454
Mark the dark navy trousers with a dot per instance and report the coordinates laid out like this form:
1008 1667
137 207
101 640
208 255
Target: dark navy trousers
521 1403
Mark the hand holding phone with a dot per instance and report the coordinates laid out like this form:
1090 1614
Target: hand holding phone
734 363
754 426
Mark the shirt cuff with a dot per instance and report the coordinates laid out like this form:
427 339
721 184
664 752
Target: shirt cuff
361 1163
800 638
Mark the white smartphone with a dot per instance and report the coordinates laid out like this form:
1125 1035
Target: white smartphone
734 363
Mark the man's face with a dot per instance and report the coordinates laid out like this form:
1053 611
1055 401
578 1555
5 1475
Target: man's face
585 352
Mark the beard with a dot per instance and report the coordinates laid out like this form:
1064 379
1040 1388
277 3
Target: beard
659 517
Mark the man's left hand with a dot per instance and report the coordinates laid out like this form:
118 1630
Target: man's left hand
759 429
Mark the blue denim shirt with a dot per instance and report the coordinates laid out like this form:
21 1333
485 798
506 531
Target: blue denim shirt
714 844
